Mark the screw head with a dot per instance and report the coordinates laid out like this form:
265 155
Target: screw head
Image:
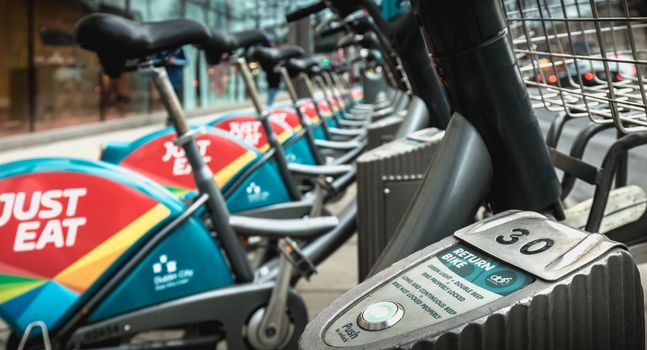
270 332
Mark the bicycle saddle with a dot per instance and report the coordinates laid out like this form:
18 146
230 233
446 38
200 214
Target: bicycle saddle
224 43
116 39
315 70
361 24
369 40
346 40
344 8
339 68
270 57
297 66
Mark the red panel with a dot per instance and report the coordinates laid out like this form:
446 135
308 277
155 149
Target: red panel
308 110
249 129
333 102
288 115
166 163
358 94
323 106
50 220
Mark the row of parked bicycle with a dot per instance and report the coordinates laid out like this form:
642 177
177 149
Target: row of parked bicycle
465 238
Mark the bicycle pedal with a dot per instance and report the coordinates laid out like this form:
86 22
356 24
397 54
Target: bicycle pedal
297 259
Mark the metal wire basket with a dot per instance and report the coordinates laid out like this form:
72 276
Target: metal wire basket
584 57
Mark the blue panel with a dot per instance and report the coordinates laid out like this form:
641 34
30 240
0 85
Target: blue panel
299 152
186 263
319 133
66 301
331 122
114 152
49 293
17 306
264 187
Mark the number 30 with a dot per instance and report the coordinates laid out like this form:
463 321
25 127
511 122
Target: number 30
528 248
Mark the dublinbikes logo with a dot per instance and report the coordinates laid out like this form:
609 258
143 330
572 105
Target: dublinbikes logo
167 275
176 154
255 193
501 279
45 218
291 157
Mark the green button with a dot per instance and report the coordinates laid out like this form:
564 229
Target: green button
381 315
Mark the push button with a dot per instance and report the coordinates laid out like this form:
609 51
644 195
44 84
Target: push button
379 316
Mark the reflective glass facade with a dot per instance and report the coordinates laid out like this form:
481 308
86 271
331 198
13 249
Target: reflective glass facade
47 82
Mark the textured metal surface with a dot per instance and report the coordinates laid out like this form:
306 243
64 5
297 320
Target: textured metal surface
599 306
374 86
382 131
403 160
529 241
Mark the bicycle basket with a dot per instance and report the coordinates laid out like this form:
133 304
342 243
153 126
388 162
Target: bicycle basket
584 57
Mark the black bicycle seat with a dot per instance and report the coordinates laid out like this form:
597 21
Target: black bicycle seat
297 66
224 42
316 70
116 39
339 68
369 40
346 40
270 57
361 24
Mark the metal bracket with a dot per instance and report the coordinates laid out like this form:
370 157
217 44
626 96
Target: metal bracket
290 249
44 333
189 135
269 327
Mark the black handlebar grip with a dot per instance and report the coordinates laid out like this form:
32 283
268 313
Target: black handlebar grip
305 11
332 31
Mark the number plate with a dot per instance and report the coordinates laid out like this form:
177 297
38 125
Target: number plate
536 244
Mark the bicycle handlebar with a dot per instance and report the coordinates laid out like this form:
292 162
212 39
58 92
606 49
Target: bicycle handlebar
332 31
305 11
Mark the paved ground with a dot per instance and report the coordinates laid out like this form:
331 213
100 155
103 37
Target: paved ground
338 273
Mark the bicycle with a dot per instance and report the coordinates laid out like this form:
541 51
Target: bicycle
176 254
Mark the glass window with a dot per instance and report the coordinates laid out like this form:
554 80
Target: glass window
47 81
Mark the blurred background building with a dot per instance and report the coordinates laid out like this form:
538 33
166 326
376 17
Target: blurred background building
47 82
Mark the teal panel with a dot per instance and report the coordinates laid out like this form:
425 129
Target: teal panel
319 133
299 152
186 263
264 187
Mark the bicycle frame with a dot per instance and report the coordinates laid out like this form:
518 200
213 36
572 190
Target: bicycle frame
245 296
218 213
407 53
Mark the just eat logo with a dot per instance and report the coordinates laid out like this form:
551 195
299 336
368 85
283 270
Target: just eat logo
45 218
176 154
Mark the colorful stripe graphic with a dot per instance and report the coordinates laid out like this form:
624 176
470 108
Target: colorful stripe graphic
80 275
231 169
42 281
225 156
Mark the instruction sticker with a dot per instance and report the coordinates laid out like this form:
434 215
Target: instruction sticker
455 280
